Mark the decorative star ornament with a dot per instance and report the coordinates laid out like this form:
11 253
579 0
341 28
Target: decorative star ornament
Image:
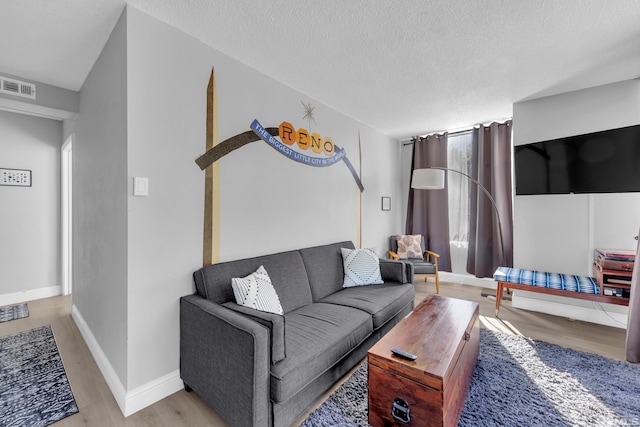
308 112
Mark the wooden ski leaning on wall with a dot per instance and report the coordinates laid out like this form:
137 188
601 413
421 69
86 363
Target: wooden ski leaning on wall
211 241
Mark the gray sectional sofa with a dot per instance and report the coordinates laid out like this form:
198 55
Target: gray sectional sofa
262 369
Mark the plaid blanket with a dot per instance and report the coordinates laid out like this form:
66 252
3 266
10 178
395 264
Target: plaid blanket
565 282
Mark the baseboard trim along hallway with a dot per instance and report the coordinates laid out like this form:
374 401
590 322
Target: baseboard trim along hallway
30 295
129 401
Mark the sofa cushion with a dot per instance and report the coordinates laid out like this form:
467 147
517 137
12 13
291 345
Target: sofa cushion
324 268
275 324
286 271
317 336
361 267
382 302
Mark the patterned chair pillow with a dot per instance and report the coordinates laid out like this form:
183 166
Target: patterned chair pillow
409 246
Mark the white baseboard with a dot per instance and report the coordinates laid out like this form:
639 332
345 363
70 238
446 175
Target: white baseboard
30 295
466 279
152 392
117 389
587 311
138 398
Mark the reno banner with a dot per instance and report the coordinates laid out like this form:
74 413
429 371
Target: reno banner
296 143
300 145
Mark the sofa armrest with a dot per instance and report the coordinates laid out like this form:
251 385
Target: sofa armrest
224 357
396 271
274 322
409 268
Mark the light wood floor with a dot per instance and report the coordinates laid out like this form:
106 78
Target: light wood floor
98 407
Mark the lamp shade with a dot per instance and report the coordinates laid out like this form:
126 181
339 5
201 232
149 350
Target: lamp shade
428 179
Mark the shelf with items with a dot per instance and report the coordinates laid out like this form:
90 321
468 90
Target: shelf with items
614 283
613 269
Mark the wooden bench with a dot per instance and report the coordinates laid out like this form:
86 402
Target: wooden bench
565 285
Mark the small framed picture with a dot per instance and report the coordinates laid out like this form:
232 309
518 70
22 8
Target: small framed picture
15 177
386 203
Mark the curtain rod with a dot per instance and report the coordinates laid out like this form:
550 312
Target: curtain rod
458 131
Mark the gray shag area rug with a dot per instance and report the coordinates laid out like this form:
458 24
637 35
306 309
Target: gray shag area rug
519 382
14 312
34 389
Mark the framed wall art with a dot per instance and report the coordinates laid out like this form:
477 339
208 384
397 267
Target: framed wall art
15 177
386 203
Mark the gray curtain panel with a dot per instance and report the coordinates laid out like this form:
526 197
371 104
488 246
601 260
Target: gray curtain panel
633 321
428 210
491 166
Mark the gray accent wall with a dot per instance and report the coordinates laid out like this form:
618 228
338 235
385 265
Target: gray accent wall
30 216
100 202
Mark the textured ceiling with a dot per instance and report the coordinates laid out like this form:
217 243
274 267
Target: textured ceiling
403 67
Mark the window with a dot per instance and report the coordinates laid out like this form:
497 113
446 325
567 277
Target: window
459 158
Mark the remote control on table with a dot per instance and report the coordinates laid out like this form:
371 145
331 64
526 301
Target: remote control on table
404 354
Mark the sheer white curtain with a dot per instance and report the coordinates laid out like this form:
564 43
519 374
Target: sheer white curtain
459 158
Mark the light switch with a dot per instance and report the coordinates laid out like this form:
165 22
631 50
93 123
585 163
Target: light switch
140 186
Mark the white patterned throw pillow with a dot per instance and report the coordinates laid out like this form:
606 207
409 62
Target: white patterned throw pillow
409 246
361 267
256 291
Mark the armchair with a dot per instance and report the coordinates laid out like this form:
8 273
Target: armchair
426 265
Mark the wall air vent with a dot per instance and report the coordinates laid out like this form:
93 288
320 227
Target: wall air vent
17 88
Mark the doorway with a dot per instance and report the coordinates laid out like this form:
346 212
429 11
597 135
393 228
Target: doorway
66 192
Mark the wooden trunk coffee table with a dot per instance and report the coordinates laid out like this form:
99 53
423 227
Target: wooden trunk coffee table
444 334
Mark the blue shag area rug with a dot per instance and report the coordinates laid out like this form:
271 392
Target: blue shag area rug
519 382
14 312
34 389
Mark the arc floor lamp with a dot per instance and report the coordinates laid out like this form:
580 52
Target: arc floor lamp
432 178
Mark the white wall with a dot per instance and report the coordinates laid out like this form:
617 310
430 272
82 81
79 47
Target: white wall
30 216
269 203
165 135
143 113
559 232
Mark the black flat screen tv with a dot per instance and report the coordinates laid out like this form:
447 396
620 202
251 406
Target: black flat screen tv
599 162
